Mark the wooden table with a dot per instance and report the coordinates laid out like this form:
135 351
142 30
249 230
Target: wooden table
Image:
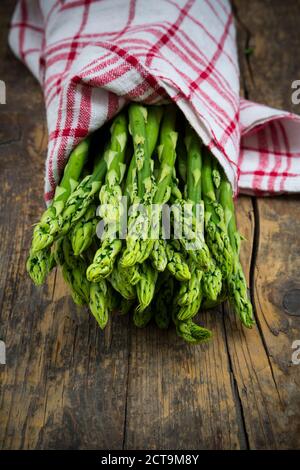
66 385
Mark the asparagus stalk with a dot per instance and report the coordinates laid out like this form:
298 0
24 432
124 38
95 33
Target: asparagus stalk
212 277
186 312
39 264
111 193
130 189
191 332
217 237
145 288
154 117
84 230
140 185
201 255
49 223
138 115
167 155
192 243
111 201
116 278
132 275
194 166
81 199
101 301
141 181
237 286
152 131
104 259
73 270
190 290
212 282
158 255
177 265
70 222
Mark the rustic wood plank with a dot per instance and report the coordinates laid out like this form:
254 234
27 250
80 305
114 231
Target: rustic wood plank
64 384
270 29
183 397
180 396
261 359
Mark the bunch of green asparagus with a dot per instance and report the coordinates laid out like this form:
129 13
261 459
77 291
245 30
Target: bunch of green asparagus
106 226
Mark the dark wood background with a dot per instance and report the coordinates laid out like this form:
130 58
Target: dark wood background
66 385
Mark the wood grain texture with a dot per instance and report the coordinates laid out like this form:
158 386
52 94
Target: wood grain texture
266 378
66 385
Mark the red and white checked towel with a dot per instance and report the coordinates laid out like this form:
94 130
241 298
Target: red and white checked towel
93 56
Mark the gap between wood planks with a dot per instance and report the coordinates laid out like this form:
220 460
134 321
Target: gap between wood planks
256 234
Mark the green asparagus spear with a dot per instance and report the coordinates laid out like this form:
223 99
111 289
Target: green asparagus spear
111 193
140 185
191 332
39 264
111 202
187 312
154 116
200 253
84 230
176 262
217 237
73 270
116 278
212 282
49 223
104 259
145 288
132 275
194 166
158 255
130 189
78 266
100 302
167 155
190 290
237 286
81 199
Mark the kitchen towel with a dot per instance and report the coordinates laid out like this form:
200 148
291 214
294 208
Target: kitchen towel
92 57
